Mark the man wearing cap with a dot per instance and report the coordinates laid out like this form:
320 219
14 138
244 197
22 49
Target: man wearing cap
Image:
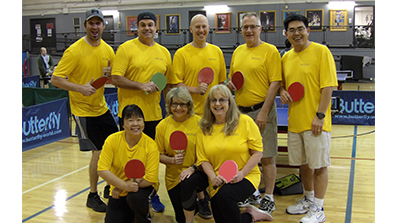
135 62
84 61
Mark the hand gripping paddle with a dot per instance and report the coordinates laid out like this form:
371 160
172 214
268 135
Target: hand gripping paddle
296 91
99 82
206 75
134 169
160 80
228 170
178 141
238 80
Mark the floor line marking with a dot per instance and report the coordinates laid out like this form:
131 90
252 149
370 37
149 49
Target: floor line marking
348 212
53 180
52 206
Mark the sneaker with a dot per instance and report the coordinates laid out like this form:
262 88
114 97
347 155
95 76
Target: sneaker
257 214
254 200
301 207
267 205
157 206
314 215
204 209
96 203
106 191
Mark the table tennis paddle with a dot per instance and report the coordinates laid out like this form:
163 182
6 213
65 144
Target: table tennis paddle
206 75
296 91
134 169
178 141
238 80
228 170
160 80
99 82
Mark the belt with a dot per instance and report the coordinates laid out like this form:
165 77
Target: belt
251 108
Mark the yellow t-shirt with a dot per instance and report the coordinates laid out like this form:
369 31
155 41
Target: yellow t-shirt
163 131
260 66
189 60
218 148
116 153
314 67
139 62
80 63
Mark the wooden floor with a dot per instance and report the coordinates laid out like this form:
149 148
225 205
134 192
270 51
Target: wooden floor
55 181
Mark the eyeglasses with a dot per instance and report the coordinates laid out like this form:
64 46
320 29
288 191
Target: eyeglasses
246 27
221 100
182 105
293 31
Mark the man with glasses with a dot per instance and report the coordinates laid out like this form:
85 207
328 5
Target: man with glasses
310 124
135 62
260 64
194 56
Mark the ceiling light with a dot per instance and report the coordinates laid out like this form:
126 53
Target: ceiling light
341 4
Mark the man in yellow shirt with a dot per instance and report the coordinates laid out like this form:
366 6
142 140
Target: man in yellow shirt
260 64
85 60
191 58
135 62
310 122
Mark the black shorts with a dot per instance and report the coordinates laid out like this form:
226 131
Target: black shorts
92 131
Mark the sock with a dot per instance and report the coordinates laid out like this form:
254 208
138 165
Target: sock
309 195
318 202
271 197
256 193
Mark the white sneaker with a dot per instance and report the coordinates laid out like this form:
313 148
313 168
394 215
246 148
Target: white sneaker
301 207
252 199
314 215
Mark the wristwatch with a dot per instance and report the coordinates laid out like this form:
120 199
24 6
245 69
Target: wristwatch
195 168
320 115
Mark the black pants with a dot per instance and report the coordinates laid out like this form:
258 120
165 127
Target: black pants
133 206
197 182
225 203
183 196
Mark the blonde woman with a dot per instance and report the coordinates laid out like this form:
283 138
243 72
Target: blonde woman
226 134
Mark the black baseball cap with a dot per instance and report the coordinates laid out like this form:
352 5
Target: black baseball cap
90 13
146 15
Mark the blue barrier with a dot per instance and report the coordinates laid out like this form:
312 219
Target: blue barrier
357 108
44 123
31 81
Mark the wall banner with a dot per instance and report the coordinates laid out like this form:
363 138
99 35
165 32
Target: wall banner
357 108
44 123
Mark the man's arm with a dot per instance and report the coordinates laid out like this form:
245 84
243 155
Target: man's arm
123 82
262 117
63 83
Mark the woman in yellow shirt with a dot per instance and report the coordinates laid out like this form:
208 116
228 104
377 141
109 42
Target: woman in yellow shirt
182 178
226 134
129 199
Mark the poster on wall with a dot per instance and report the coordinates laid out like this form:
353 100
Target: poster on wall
268 20
131 23
338 20
223 22
173 24
315 19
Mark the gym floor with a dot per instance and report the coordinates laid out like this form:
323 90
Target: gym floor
55 180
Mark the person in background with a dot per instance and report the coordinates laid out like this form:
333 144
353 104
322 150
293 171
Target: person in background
129 200
135 63
190 59
183 179
310 122
45 64
260 63
288 47
83 62
226 134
